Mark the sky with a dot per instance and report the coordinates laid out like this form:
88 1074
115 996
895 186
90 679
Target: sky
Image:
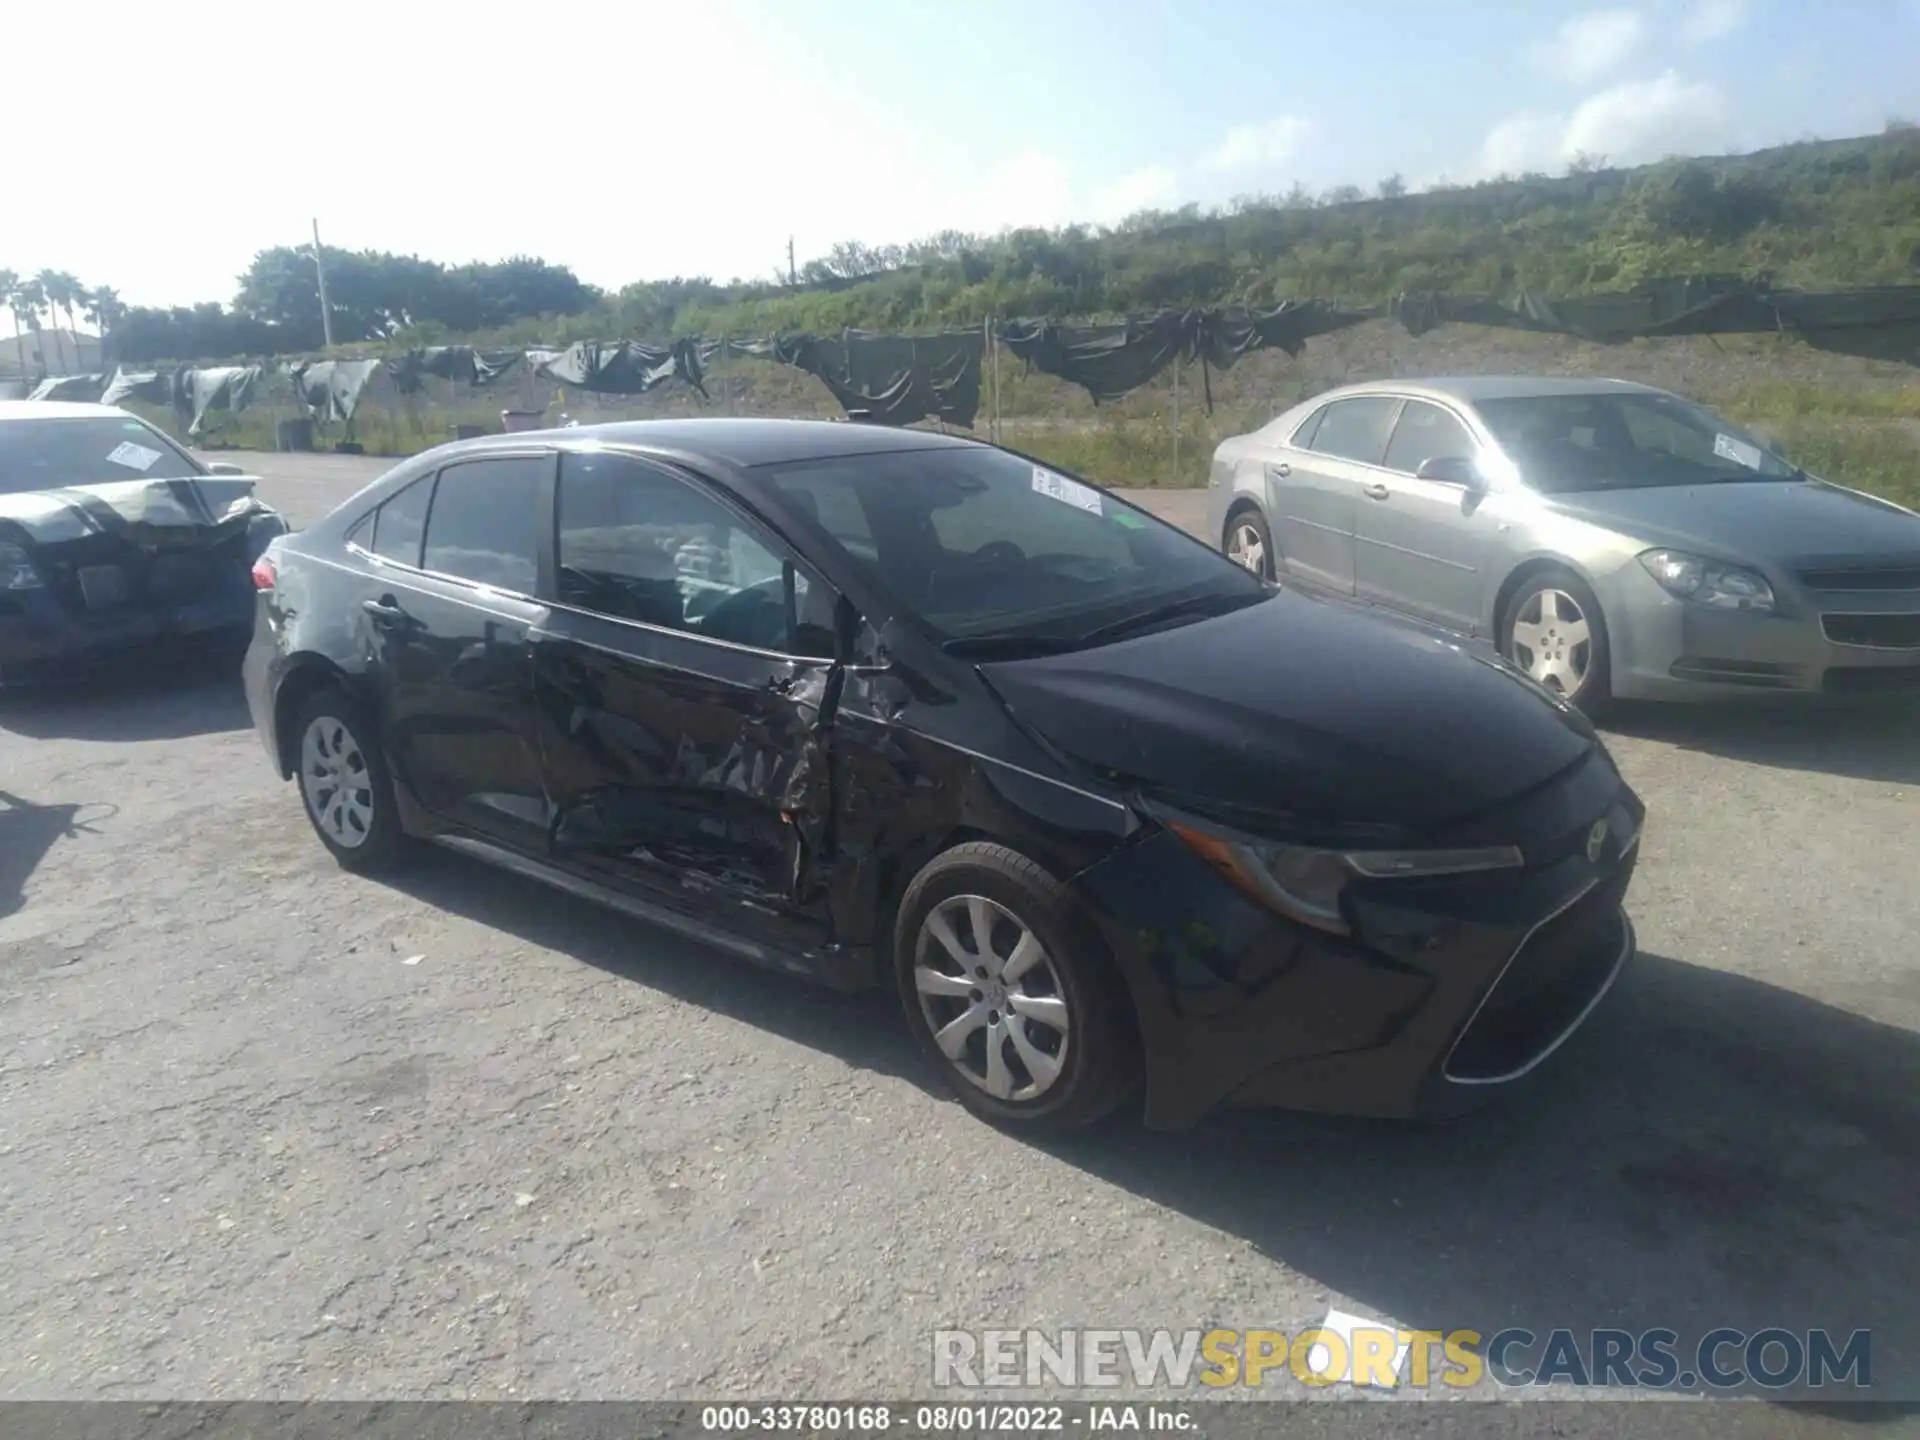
636 139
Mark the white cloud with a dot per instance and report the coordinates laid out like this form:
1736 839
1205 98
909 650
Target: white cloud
1710 20
1591 46
1628 124
1155 187
1255 147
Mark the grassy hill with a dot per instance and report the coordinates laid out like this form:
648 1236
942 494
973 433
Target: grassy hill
1827 214
1818 214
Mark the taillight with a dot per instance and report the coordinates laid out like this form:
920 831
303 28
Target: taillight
264 575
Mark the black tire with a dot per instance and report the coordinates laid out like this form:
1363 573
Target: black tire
380 841
1251 520
1099 1064
1595 689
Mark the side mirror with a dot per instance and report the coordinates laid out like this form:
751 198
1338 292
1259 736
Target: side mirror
224 467
1451 470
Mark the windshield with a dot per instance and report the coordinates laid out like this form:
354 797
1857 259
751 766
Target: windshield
1569 443
53 454
980 542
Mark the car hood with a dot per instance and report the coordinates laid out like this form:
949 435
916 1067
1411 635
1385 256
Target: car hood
1758 520
1300 718
216 503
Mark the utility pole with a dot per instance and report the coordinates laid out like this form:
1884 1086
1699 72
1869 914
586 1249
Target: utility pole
793 275
320 274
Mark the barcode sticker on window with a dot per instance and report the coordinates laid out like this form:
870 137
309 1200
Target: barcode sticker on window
1738 451
1068 492
134 457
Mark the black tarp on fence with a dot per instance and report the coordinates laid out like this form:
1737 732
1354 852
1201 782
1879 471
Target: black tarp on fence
901 379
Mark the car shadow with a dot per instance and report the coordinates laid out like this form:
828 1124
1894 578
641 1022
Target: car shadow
1709 1151
1864 742
864 1030
202 697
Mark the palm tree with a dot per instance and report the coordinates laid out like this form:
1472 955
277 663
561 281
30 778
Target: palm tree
29 296
68 296
103 309
11 298
55 289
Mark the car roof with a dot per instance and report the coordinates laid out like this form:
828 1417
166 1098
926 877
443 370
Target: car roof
56 410
741 443
1469 389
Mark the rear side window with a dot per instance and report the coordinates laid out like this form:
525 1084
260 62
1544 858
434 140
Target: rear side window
1356 429
485 523
1426 432
399 524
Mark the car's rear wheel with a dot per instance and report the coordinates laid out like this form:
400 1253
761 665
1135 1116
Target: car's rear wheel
345 787
1554 630
1250 544
1009 992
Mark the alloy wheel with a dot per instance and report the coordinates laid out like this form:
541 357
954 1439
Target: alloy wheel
1553 641
1247 549
335 783
992 998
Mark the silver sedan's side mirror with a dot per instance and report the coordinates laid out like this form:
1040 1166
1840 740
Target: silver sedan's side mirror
224 467
1452 470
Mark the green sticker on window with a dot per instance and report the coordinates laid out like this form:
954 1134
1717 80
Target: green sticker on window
1130 520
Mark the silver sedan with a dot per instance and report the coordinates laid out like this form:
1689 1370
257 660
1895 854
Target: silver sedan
1609 538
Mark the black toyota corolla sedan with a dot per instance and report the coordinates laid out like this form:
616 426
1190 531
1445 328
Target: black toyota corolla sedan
886 707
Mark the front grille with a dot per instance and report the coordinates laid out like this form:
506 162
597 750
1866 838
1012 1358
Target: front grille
1866 577
1736 672
1887 632
1546 987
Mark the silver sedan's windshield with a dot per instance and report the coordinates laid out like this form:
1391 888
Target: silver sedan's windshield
1609 441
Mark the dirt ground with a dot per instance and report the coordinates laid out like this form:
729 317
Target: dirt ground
271 1131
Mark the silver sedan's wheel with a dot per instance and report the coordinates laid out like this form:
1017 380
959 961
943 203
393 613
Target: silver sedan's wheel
335 782
1552 640
992 998
1247 547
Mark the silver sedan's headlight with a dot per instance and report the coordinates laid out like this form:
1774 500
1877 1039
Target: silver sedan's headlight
1709 582
1306 883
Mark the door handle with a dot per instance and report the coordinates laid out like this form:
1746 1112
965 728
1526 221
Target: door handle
384 609
1374 491
1283 470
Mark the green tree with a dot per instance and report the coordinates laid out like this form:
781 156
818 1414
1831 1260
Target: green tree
15 302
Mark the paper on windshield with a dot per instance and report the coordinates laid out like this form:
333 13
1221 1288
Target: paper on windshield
1067 492
134 457
1738 451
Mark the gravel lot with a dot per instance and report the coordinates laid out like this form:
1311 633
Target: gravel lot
271 1131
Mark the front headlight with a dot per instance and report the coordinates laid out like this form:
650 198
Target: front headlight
1306 883
16 569
1709 582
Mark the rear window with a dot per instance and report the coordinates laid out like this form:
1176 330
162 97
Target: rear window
46 454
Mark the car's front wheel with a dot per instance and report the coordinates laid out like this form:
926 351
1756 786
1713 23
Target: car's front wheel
1009 993
344 784
1554 630
1249 543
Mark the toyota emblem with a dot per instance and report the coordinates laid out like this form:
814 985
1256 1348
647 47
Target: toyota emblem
1596 838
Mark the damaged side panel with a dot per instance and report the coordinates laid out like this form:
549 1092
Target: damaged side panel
912 774
699 772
